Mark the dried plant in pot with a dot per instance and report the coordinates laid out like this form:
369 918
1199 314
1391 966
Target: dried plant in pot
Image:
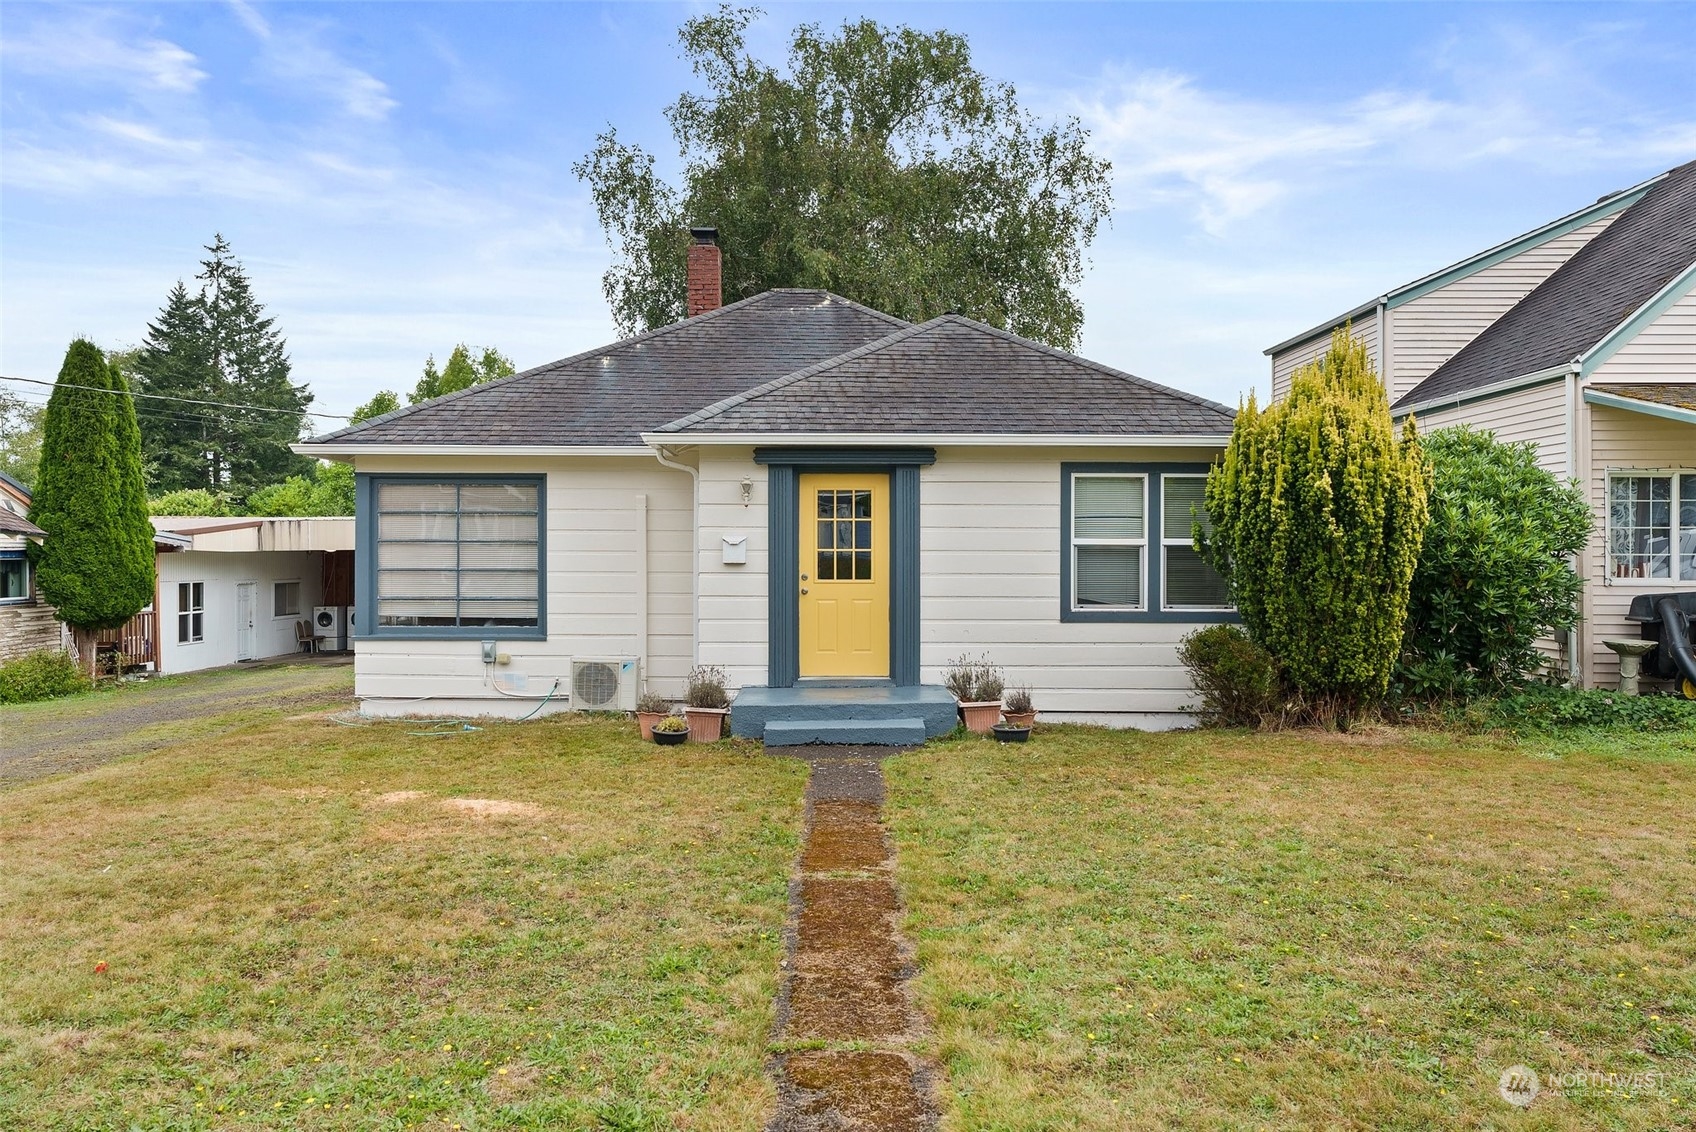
671 730
651 707
707 702
1017 709
977 685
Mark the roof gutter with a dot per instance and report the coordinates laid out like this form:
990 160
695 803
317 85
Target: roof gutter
345 452
954 439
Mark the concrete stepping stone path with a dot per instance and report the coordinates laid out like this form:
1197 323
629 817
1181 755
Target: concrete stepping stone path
846 1022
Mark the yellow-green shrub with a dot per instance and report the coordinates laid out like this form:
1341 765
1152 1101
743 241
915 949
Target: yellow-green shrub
1318 509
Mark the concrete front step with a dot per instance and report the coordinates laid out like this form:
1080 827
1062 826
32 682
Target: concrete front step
854 706
909 732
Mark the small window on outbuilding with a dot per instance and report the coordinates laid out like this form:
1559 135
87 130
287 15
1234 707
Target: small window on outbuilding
285 599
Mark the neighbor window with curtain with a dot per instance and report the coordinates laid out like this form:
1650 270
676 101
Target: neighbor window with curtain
1190 583
457 555
14 576
1108 541
1652 525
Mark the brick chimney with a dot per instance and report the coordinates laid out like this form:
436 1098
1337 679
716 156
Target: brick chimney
706 291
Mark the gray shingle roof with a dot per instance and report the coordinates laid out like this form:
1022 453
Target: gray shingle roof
611 394
954 375
1586 297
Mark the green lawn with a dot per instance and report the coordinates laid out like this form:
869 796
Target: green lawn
1219 931
301 928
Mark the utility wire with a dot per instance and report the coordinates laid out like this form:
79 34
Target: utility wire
182 400
38 400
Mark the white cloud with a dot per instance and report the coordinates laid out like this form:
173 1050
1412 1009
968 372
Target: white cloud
294 57
94 46
1505 99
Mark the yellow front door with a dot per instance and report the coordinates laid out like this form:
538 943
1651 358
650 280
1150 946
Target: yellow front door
844 575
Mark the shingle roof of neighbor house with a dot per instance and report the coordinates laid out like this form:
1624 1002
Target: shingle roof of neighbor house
1605 281
790 361
1674 394
11 524
954 375
612 394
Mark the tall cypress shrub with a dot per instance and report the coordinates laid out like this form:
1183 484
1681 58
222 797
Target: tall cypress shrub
1318 509
96 563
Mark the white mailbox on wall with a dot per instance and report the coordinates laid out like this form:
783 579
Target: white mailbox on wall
735 550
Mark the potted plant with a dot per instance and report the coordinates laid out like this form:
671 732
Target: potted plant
1010 733
671 730
651 707
1017 708
706 703
977 685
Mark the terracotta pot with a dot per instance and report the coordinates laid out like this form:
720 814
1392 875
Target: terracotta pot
980 717
706 724
670 738
646 720
1019 718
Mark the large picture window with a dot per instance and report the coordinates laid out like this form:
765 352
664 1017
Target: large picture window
1128 550
1652 525
456 555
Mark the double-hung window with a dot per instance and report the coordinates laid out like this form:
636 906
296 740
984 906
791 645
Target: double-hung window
1109 541
1652 525
191 612
1190 583
1129 545
457 555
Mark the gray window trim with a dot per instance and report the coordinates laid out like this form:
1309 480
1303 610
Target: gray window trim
365 577
1154 591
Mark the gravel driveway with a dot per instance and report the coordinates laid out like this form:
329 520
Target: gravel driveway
37 740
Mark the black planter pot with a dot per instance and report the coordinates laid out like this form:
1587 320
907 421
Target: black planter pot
670 738
1005 734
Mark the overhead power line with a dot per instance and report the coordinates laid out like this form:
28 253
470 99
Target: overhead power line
180 400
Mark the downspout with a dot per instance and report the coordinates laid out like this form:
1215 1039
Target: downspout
1574 636
642 585
695 555
1385 372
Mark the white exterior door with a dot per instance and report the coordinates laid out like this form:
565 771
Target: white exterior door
244 619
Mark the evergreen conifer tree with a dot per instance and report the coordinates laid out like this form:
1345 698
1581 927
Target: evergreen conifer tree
96 563
218 345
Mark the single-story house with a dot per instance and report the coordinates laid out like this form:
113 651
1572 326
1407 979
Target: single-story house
27 623
1579 336
238 589
825 500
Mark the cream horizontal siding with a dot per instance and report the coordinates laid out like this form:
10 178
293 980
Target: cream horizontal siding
1537 414
1285 364
1665 350
1428 331
733 597
595 599
990 584
1623 440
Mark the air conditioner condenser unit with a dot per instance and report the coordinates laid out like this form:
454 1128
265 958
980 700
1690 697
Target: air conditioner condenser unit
605 684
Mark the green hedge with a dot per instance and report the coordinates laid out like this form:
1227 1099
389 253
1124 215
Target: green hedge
40 676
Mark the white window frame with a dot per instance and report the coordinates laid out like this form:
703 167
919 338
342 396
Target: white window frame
1142 544
1187 543
29 575
299 609
1676 475
189 610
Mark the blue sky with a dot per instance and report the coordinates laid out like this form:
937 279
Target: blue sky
397 177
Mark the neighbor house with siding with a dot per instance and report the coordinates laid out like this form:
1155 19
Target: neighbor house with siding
27 623
1580 337
825 500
